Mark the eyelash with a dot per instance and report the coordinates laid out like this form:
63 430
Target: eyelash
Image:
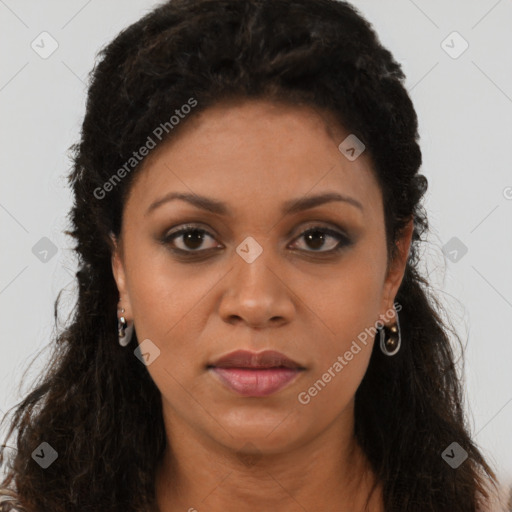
344 241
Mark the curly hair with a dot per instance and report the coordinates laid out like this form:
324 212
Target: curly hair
95 404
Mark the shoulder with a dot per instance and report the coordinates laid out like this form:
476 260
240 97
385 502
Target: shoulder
9 501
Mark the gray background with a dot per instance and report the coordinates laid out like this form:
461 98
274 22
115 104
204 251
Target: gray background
464 105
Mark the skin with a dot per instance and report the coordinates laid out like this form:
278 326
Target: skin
255 155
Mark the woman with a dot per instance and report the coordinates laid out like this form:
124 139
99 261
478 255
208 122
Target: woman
297 361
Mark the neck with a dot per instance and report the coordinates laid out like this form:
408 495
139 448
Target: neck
328 472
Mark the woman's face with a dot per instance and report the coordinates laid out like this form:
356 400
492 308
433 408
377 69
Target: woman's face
253 280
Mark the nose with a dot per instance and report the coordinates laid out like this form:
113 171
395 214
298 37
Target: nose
256 294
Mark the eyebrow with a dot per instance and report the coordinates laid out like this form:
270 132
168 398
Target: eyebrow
289 207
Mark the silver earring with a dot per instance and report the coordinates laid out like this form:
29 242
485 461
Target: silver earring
124 331
391 344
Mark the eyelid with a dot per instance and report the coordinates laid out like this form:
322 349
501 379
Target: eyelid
322 224
303 226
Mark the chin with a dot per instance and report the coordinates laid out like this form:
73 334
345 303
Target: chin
268 432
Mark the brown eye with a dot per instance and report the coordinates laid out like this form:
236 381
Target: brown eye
317 237
192 239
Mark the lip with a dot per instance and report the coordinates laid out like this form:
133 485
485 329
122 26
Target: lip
255 360
250 382
255 374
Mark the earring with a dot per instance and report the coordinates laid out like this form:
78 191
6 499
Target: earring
124 331
391 345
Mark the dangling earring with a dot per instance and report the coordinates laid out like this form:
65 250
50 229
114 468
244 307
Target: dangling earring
390 345
124 331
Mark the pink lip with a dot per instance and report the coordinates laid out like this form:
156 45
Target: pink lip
255 373
248 359
256 382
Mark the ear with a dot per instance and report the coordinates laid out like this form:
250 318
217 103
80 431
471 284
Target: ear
119 273
396 269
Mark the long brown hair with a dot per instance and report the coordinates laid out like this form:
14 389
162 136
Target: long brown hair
96 405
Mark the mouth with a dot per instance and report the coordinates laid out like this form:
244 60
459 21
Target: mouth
255 374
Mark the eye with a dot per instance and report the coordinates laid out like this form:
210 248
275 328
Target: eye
191 239
317 236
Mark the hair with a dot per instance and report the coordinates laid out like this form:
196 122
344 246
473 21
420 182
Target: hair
95 404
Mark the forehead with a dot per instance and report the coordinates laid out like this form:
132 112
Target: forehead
255 152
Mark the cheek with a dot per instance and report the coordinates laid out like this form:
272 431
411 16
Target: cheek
330 390
345 304
340 363
163 293
347 308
